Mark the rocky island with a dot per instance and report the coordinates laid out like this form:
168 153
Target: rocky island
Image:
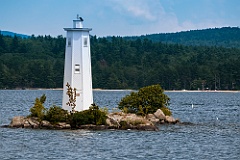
142 110
117 120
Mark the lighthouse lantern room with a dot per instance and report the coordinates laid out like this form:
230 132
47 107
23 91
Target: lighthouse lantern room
77 68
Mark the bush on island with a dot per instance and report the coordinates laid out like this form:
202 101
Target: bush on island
91 116
56 114
147 100
38 110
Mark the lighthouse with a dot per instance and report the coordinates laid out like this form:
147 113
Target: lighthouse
77 68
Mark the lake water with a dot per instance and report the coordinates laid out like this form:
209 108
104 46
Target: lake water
214 134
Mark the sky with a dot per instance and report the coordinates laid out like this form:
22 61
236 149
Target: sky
117 17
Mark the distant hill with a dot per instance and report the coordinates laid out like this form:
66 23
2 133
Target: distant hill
12 34
226 37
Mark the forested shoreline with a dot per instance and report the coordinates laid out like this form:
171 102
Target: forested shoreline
123 63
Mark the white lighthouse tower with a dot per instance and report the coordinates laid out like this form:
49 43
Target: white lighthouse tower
77 69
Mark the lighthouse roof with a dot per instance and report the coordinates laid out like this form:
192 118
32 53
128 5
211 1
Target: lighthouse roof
77 29
78 25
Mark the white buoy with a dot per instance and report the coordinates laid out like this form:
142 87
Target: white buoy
77 69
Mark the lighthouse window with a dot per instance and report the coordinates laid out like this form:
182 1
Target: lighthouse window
69 42
77 68
85 40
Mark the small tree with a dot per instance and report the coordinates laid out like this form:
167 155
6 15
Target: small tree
71 92
147 100
38 109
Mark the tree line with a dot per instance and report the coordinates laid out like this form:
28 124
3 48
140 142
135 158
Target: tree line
120 63
228 37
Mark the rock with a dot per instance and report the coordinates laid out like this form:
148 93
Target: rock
17 122
125 121
162 121
46 124
152 118
27 124
170 119
112 123
159 114
134 119
116 116
63 125
33 121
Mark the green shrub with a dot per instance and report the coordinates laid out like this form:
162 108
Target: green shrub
56 114
91 116
146 100
38 110
166 111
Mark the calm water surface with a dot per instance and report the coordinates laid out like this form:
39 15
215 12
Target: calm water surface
214 134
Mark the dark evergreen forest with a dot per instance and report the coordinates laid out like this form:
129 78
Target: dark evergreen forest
227 36
192 60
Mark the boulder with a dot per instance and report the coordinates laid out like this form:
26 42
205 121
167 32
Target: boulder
46 124
159 114
117 116
63 125
134 119
112 123
114 119
152 118
34 122
170 119
27 124
124 121
17 122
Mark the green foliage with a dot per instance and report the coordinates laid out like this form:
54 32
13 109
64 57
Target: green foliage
166 111
56 114
146 100
225 37
104 110
43 98
72 93
38 110
202 59
91 116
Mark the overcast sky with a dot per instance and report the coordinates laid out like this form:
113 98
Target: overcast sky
117 17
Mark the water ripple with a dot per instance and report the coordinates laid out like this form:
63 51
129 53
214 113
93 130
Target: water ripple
213 134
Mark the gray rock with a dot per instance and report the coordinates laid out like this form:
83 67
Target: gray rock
27 124
112 123
33 121
124 121
159 114
152 118
170 119
17 122
63 125
46 124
